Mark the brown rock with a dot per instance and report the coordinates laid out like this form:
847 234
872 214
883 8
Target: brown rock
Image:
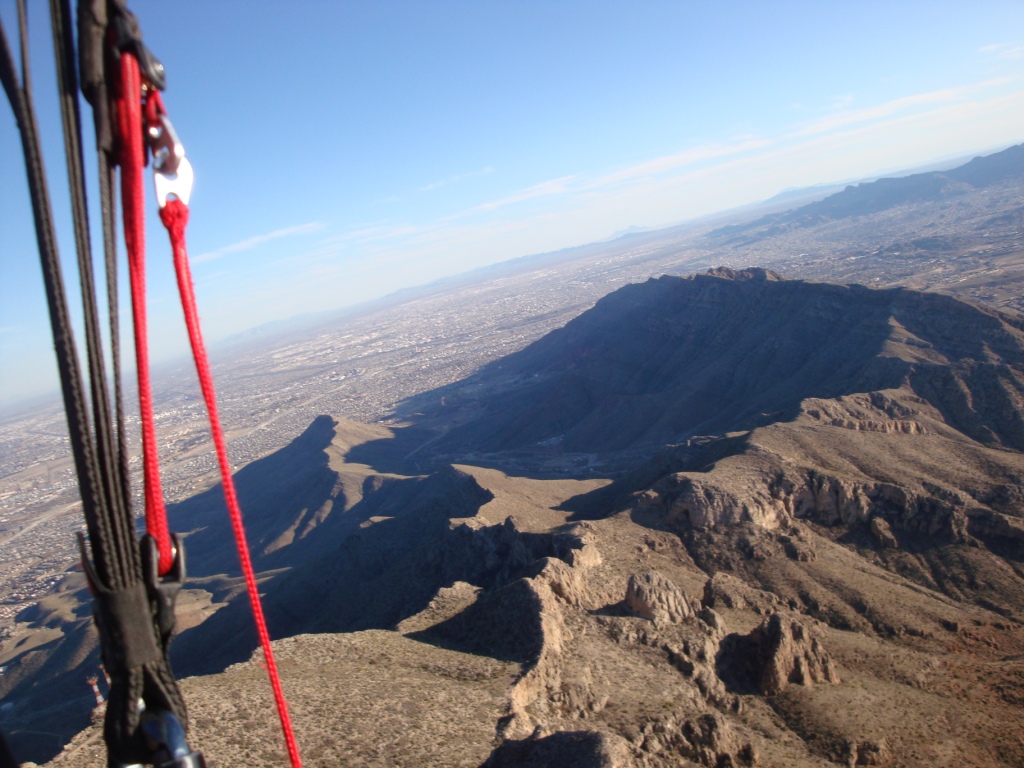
655 597
867 753
724 590
564 580
447 603
570 749
883 533
788 652
707 739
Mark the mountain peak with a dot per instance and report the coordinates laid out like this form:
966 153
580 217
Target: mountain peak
756 274
660 362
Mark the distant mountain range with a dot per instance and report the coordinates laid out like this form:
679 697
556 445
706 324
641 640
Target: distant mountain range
884 194
262 334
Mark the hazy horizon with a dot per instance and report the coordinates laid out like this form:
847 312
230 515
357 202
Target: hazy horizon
18 405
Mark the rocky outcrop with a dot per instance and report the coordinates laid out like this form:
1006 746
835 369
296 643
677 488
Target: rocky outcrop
653 596
708 740
702 503
867 753
541 689
724 590
578 749
565 581
772 494
541 680
695 729
765 496
447 603
883 533
690 646
870 412
581 549
783 651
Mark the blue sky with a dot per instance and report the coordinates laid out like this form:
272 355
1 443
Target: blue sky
344 150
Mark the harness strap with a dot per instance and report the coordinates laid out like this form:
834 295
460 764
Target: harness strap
134 595
19 94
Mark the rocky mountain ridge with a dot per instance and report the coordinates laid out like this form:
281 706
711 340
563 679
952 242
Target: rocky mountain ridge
876 196
659 362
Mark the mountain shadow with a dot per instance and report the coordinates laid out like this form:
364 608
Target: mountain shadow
363 581
283 496
412 543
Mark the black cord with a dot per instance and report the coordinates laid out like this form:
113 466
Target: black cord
20 96
133 649
121 528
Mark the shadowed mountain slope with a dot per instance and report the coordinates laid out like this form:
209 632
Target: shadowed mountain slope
303 488
285 497
418 536
662 361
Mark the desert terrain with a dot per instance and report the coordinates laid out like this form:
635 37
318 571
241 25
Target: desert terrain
582 509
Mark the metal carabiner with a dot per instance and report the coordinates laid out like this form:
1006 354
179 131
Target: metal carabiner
172 173
164 144
178 184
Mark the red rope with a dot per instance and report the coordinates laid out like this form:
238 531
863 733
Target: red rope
132 159
174 215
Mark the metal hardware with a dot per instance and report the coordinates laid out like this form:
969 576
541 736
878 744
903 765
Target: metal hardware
178 184
128 37
163 142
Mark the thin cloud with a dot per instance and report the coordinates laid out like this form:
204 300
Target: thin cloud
661 188
842 102
253 242
888 108
677 160
372 232
544 189
456 178
1007 51
384 232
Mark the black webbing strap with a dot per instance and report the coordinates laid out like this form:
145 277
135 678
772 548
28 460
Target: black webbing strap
129 610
